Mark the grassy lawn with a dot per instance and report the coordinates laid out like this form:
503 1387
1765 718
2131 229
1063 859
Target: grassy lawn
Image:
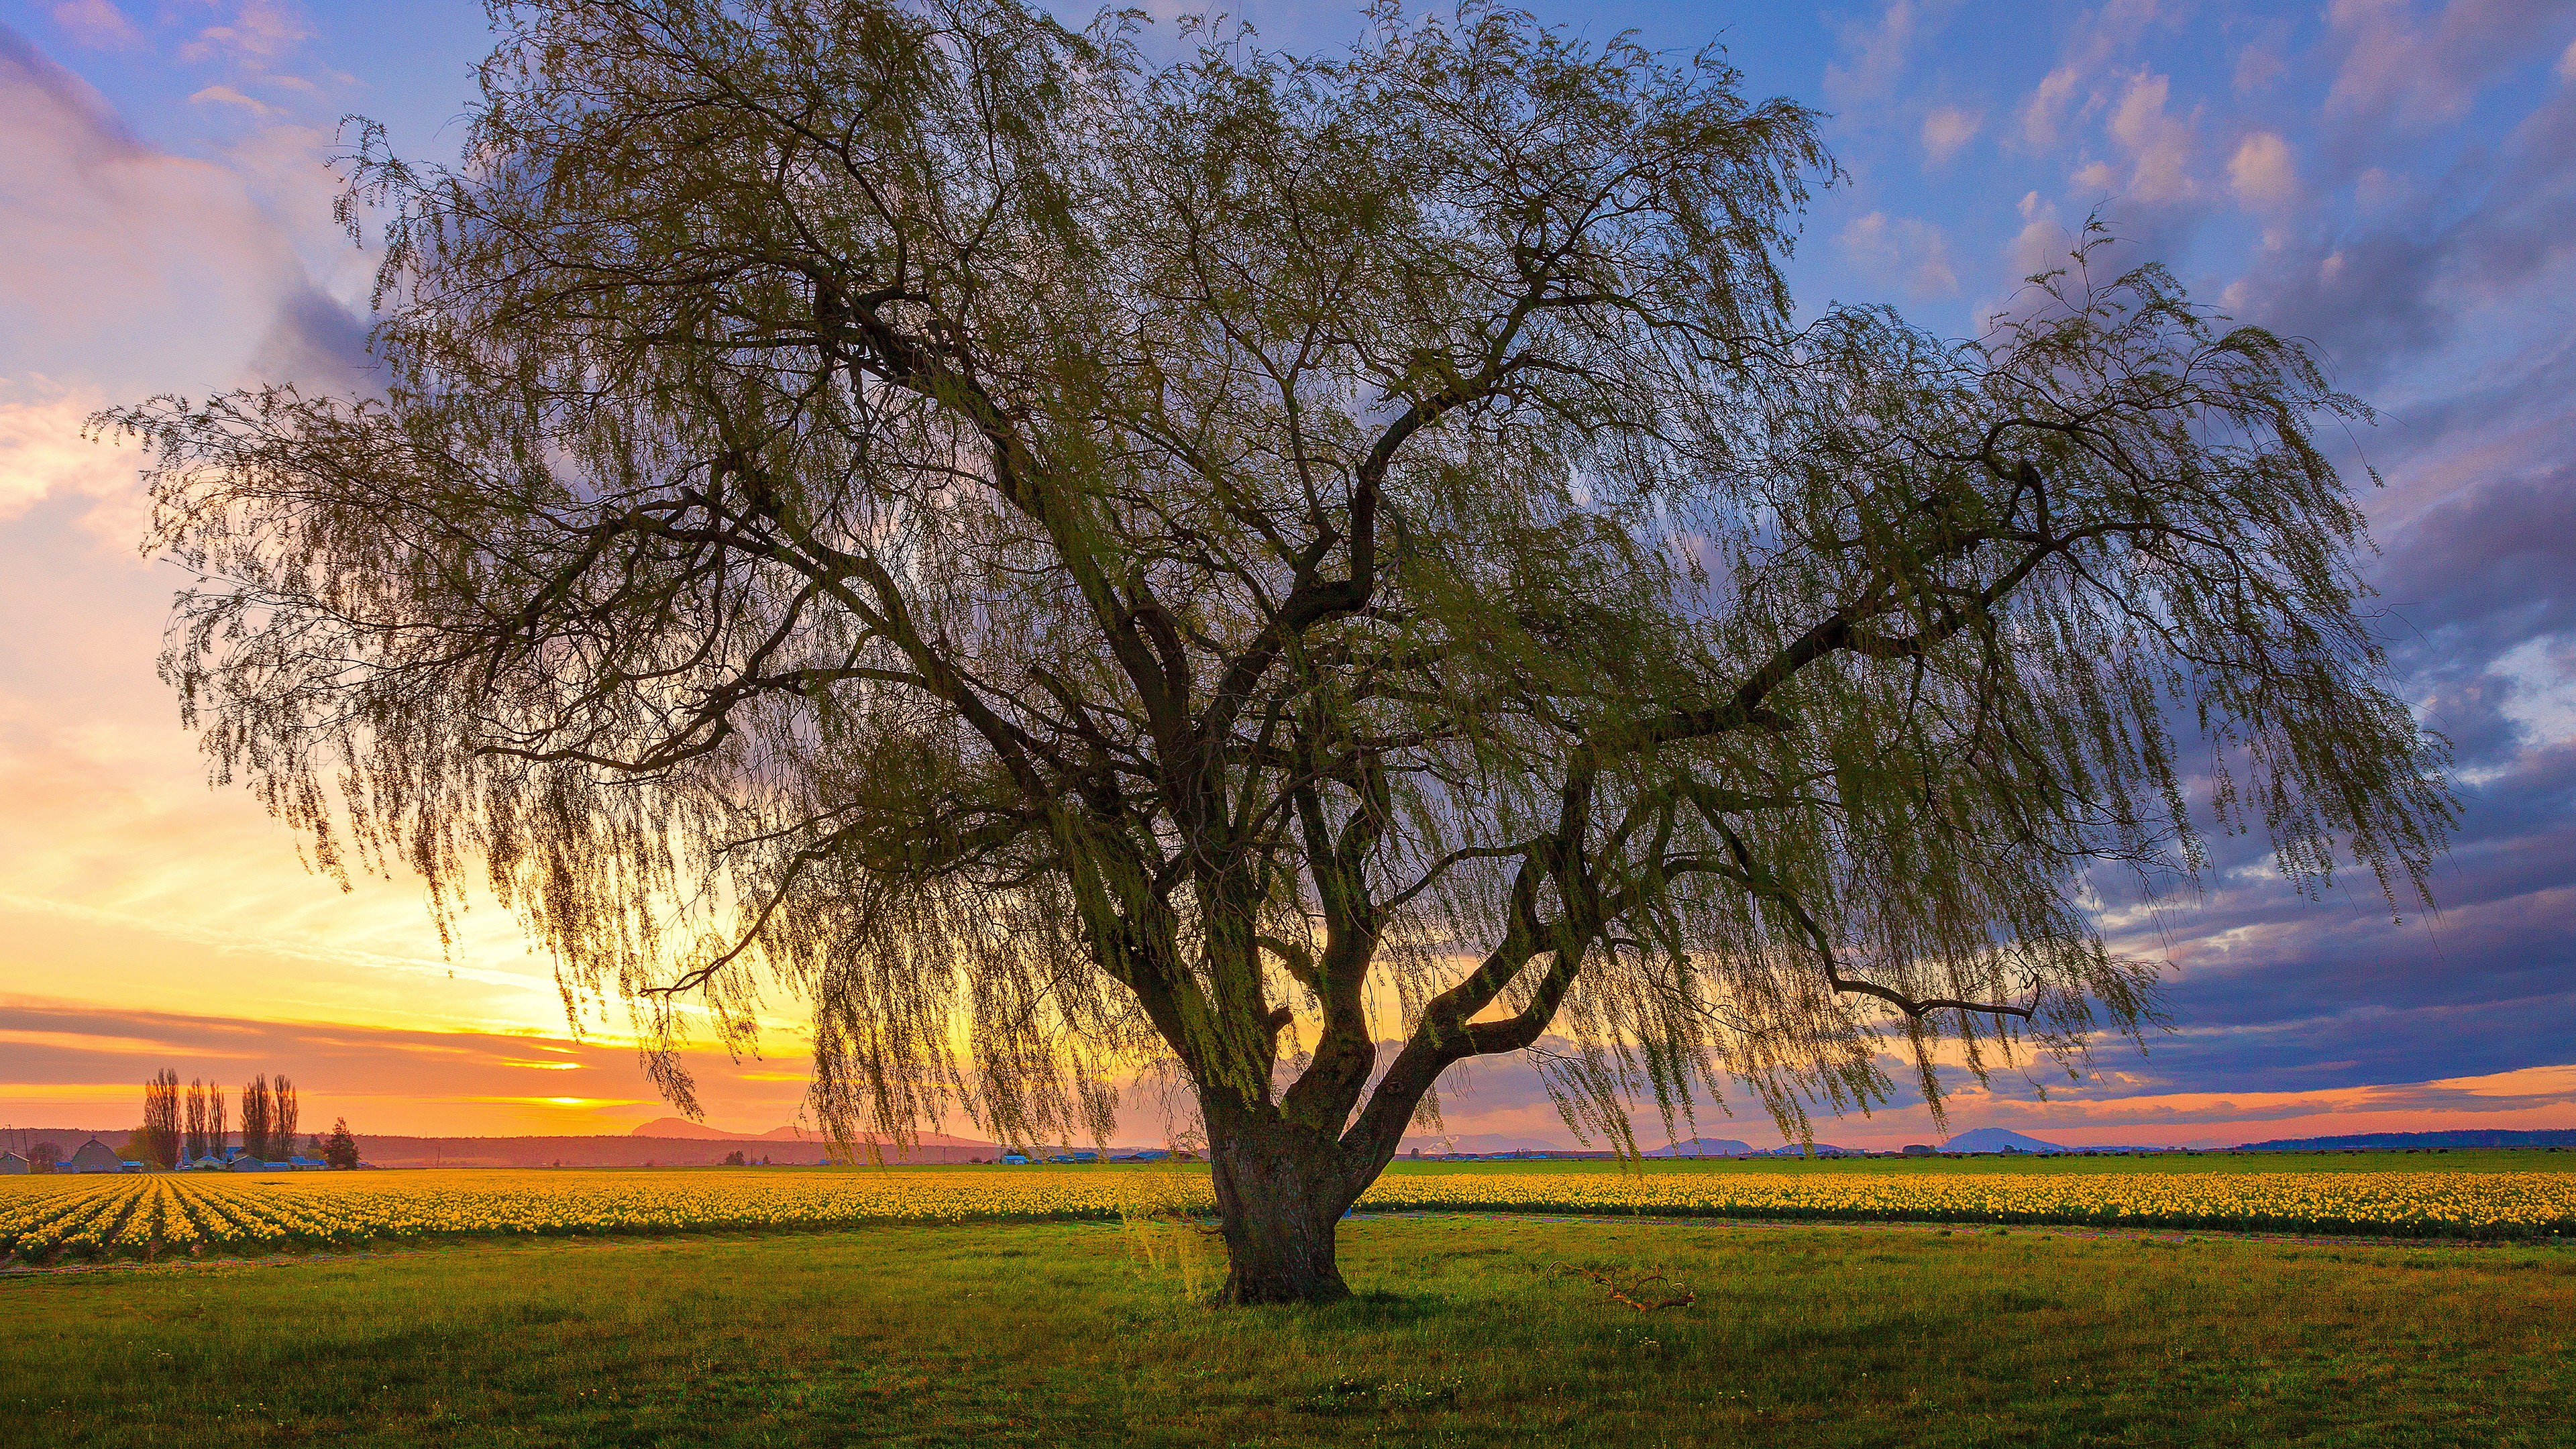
1467 1331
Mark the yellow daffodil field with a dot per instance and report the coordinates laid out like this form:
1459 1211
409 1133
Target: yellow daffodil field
55 1219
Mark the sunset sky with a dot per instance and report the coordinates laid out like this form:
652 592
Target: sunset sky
2394 179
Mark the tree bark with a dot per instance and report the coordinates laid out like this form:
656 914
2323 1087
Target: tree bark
1281 1190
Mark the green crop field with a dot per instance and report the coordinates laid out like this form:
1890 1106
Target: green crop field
1465 1331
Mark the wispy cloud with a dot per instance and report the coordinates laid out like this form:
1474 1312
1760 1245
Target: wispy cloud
97 24
2420 65
256 32
1875 54
227 96
2159 144
1947 130
2044 114
46 454
1907 250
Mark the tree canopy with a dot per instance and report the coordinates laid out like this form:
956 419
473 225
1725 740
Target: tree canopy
1069 565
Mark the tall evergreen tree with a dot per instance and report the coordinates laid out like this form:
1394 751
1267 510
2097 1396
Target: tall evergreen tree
340 1149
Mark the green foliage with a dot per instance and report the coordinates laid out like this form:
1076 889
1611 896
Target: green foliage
1073 568
340 1149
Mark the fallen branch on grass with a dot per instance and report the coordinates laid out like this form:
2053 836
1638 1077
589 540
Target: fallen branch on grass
1618 1295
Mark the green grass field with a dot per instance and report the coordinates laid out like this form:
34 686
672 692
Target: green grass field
1466 1331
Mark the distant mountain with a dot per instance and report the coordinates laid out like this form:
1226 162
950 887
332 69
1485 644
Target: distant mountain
2399 1141
683 1127
19 1139
1703 1147
1823 1149
1996 1139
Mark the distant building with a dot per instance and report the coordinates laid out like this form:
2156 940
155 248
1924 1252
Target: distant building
96 1156
1015 1159
11 1162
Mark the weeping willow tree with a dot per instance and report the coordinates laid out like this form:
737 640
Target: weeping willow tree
1296 572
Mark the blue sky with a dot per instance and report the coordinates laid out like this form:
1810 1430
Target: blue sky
2394 179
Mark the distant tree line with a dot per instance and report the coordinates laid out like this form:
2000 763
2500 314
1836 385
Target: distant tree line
194 1123
185 1124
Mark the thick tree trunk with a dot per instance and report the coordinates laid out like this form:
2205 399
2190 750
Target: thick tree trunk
1281 1190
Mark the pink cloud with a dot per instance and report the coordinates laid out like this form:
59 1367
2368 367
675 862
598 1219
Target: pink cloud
2043 241
2423 69
2158 144
1876 55
1947 130
126 268
2043 116
97 24
45 454
258 31
1910 252
2262 172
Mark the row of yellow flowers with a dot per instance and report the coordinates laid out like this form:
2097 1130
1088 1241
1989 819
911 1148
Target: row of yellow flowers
2404 1203
49 1219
